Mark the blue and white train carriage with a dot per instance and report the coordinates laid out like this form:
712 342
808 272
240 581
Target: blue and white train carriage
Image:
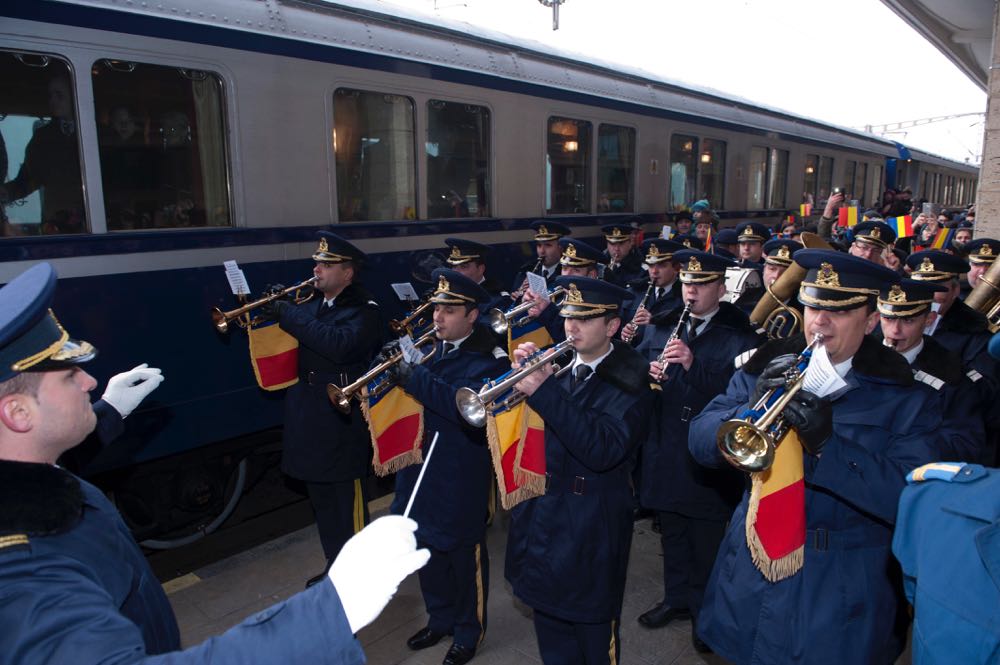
147 142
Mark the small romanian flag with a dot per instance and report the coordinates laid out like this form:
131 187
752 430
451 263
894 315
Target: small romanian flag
396 424
847 216
708 240
805 209
532 331
943 239
516 438
776 515
903 226
274 355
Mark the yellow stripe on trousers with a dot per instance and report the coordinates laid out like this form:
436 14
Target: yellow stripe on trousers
480 600
359 506
613 647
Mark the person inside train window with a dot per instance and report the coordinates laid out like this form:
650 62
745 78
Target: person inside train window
51 164
177 199
128 170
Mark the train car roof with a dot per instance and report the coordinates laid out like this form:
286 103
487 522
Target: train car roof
379 28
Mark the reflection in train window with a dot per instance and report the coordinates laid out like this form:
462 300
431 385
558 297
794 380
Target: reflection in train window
162 145
683 170
768 178
850 171
860 178
818 179
42 187
615 168
876 187
712 171
458 160
373 146
567 166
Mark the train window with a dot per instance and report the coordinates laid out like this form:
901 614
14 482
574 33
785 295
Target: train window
615 168
42 185
935 187
902 174
162 144
768 178
683 170
923 184
860 180
567 166
712 171
809 180
960 191
850 172
373 146
877 182
825 179
458 160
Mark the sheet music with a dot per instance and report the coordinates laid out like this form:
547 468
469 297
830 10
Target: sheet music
935 319
237 280
666 232
538 286
405 292
410 352
821 378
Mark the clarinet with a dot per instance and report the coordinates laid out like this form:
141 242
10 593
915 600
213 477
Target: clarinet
516 295
631 328
681 322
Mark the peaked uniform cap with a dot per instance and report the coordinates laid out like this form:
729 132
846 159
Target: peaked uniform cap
699 267
453 288
933 265
578 254
907 297
588 298
461 251
545 230
837 281
334 249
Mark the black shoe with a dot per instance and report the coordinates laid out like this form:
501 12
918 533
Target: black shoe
423 638
662 614
697 642
656 524
316 579
458 655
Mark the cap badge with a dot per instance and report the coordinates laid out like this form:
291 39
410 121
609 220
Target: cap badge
574 295
323 246
748 231
617 232
654 250
455 253
876 234
783 252
827 276
542 231
571 251
443 285
897 294
926 265
985 250
694 265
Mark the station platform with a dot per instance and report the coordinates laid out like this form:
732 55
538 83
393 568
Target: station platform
217 596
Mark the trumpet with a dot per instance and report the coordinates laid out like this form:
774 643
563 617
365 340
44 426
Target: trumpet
222 319
749 442
341 397
676 334
500 393
985 296
501 321
631 328
413 319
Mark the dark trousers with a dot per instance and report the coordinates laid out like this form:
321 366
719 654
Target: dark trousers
567 643
455 585
689 549
341 510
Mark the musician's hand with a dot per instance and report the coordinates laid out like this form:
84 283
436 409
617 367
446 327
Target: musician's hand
679 353
642 317
387 351
529 384
656 370
538 307
522 352
272 311
812 418
772 377
371 565
273 288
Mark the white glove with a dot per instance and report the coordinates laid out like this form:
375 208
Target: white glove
371 565
126 390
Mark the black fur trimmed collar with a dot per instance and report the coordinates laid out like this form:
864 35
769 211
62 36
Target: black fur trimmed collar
873 360
939 362
961 318
38 499
728 316
625 369
493 287
482 340
355 295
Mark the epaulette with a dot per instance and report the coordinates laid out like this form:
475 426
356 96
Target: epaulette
14 542
928 379
973 375
952 472
499 353
741 359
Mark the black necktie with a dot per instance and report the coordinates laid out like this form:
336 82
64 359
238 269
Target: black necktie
693 329
580 375
447 348
657 293
325 307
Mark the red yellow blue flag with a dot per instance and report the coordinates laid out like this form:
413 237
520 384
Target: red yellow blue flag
805 209
396 424
776 514
943 238
903 225
847 216
532 331
516 438
274 355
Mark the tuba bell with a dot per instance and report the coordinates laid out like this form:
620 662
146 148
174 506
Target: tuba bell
771 314
985 296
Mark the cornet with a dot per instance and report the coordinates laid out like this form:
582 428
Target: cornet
501 321
412 320
749 442
341 397
475 406
221 319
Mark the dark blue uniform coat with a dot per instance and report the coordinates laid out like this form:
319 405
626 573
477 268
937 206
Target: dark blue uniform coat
75 588
450 507
567 551
841 607
948 542
671 479
666 303
628 271
335 345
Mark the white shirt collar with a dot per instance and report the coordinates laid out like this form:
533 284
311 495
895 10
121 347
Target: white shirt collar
705 318
577 361
458 342
911 354
842 368
329 301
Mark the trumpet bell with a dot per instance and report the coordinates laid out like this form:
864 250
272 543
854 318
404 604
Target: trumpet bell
746 446
220 321
340 400
498 321
471 407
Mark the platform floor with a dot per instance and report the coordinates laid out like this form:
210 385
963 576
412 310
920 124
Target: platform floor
217 596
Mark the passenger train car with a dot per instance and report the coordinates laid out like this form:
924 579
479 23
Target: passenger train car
146 142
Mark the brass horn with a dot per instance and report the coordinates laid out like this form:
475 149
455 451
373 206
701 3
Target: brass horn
406 325
341 397
475 406
501 321
772 304
222 319
749 442
985 296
